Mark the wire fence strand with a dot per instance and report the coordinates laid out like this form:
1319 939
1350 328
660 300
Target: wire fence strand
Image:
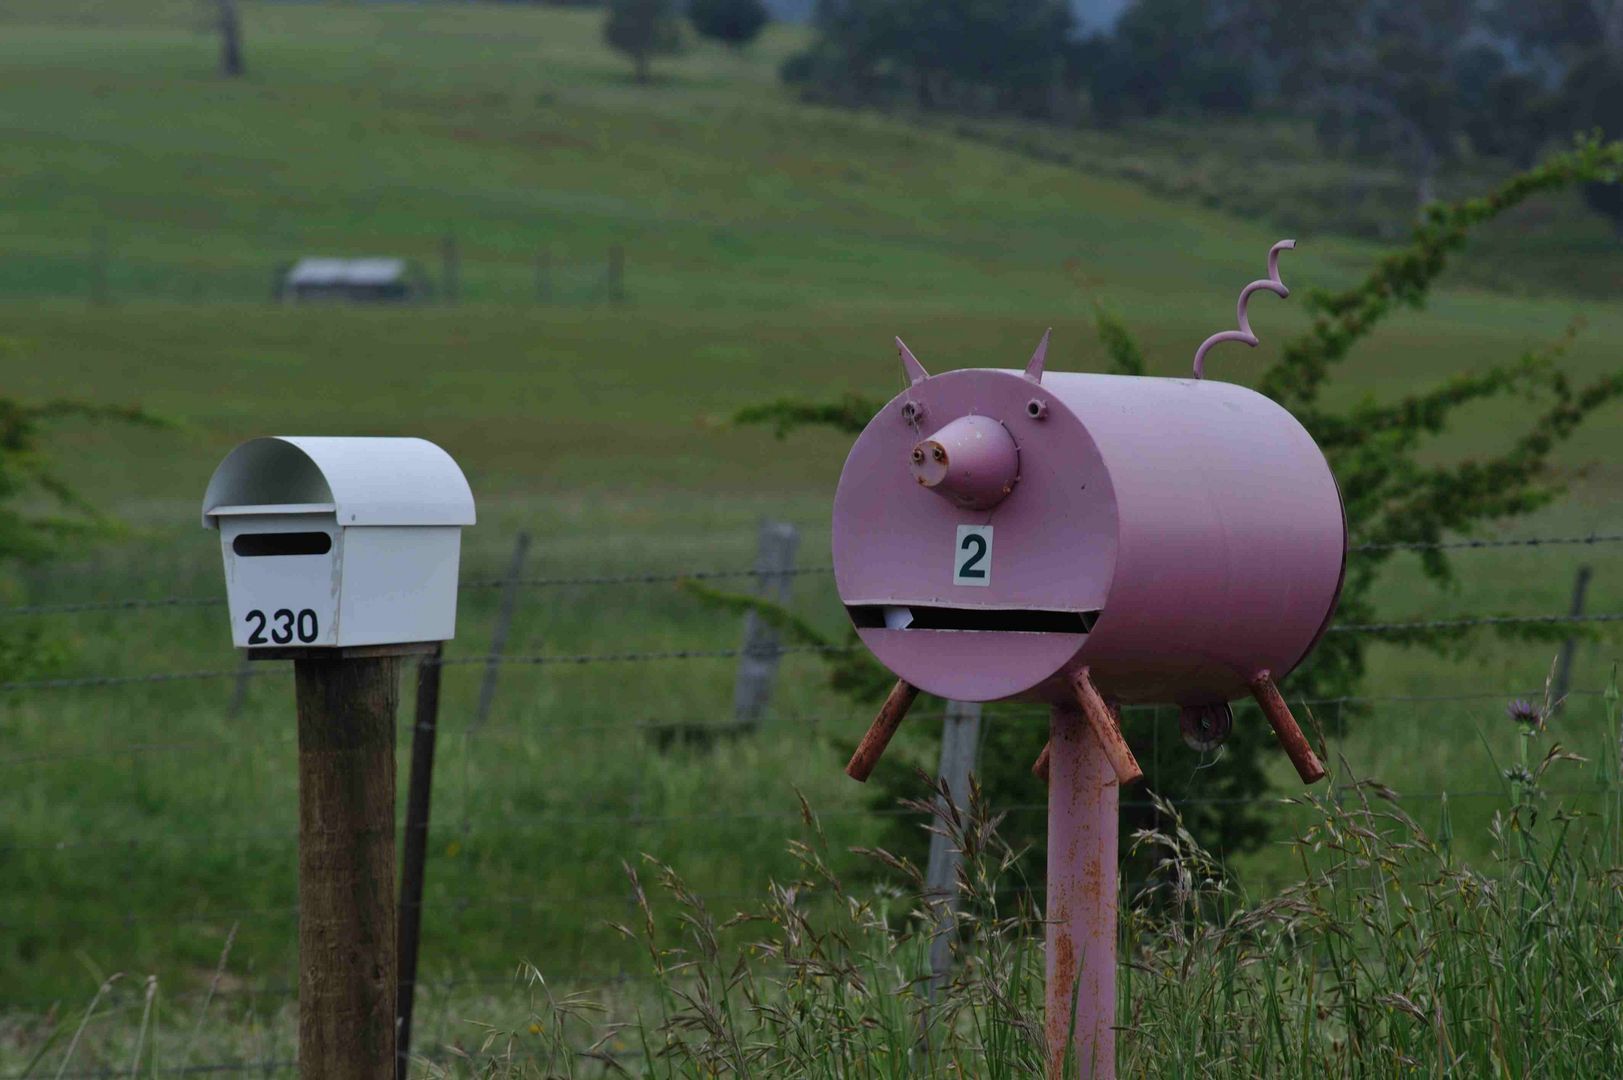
672 577
656 656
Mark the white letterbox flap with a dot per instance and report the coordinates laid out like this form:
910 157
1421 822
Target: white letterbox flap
364 481
273 508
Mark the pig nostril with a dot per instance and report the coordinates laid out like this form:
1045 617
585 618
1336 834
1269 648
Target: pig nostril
1037 409
918 456
938 453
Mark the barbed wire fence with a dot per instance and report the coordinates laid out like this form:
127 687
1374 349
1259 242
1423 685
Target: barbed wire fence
756 658
115 266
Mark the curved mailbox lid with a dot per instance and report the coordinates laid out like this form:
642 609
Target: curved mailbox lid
368 481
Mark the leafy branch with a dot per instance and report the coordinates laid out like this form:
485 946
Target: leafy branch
25 470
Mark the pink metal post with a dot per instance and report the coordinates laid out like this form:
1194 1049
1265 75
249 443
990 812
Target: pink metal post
1082 824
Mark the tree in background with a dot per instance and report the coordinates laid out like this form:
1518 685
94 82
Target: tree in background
734 23
642 29
1572 52
1397 490
965 55
1164 54
1378 77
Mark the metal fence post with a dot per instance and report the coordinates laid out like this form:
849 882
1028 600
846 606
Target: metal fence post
960 743
1569 648
498 638
414 856
775 551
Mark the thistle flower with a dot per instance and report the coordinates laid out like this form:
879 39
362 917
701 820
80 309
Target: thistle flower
1519 774
1525 713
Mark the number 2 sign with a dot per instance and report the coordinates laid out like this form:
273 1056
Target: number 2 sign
972 555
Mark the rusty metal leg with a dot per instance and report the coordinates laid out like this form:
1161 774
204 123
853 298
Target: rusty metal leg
1289 733
881 731
1081 913
1105 723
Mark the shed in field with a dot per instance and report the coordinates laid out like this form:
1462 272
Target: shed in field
364 281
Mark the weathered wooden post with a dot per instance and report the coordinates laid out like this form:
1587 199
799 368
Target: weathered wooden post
347 959
1562 681
1086 541
342 555
760 656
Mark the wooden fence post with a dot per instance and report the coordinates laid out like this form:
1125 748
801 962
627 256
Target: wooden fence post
346 706
1562 681
230 25
415 856
960 742
450 269
775 550
617 275
498 637
239 688
100 292
543 276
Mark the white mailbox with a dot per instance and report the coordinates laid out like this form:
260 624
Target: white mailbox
332 542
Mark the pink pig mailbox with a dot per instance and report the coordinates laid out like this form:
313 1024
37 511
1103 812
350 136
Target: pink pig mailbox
1086 541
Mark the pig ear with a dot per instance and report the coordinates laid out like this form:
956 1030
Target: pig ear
1034 367
910 364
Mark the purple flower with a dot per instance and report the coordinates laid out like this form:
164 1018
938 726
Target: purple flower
1525 713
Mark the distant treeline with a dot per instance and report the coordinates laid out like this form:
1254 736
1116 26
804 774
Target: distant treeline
1416 81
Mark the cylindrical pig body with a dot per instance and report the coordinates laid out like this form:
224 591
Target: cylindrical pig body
1176 536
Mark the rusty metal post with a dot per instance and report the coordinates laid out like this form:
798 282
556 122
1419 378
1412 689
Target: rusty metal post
1081 912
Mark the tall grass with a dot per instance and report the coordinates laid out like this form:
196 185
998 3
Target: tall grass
1389 956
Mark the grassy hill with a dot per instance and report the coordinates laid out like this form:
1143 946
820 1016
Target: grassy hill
771 248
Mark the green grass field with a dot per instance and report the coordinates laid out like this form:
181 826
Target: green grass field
772 248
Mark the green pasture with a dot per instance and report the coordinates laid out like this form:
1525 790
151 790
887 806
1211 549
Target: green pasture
771 249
